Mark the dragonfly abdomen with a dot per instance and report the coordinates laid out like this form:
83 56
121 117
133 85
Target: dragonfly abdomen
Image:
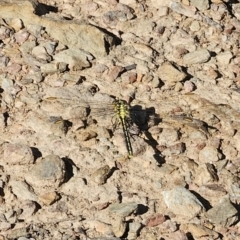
122 111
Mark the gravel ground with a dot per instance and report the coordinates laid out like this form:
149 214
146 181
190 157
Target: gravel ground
65 171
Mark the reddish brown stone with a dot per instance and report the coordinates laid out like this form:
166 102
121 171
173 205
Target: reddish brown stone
102 206
155 220
115 72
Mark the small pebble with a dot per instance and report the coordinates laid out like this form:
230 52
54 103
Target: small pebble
124 209
4 32
155 220
224 213
119 227
224 58
21 36
13 68
209 154
41 53
195 26
18 154
188 86
100 175
23 191
49 171
182 202
49 198
15 23
168 73
199 56
201 5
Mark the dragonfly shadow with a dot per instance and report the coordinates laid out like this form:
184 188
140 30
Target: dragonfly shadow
69 168
141 117
36 153
144 119
153 143
43 9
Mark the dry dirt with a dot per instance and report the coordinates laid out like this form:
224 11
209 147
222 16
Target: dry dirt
65 172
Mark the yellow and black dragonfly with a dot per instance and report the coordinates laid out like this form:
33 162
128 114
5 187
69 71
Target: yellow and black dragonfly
98 107
70 103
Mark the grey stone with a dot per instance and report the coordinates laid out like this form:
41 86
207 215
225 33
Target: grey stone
18 232
32 61
134 228
59 127
122 14
119 227
50 47
24 238
106 238
160 3
4 61
224 58
2 218
236 10
223 214
4 226
166 169
124 209
101 174
27 46
200 4
23 191
126 11
36 77
234 192
182 9
71 77
195 26
35 29
75 58
198 56
203 176
51 68
168 136
49 171
182 202
6 84
4 33
128 2
41 53
209 154
29 208
175 149
11 216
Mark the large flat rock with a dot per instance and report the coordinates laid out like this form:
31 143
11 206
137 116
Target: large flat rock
82 36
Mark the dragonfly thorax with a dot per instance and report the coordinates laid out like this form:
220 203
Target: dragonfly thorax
121 108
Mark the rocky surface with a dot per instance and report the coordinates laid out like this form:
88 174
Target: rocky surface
64 169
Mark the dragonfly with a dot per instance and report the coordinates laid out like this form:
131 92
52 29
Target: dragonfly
122 111
99 106
71 103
